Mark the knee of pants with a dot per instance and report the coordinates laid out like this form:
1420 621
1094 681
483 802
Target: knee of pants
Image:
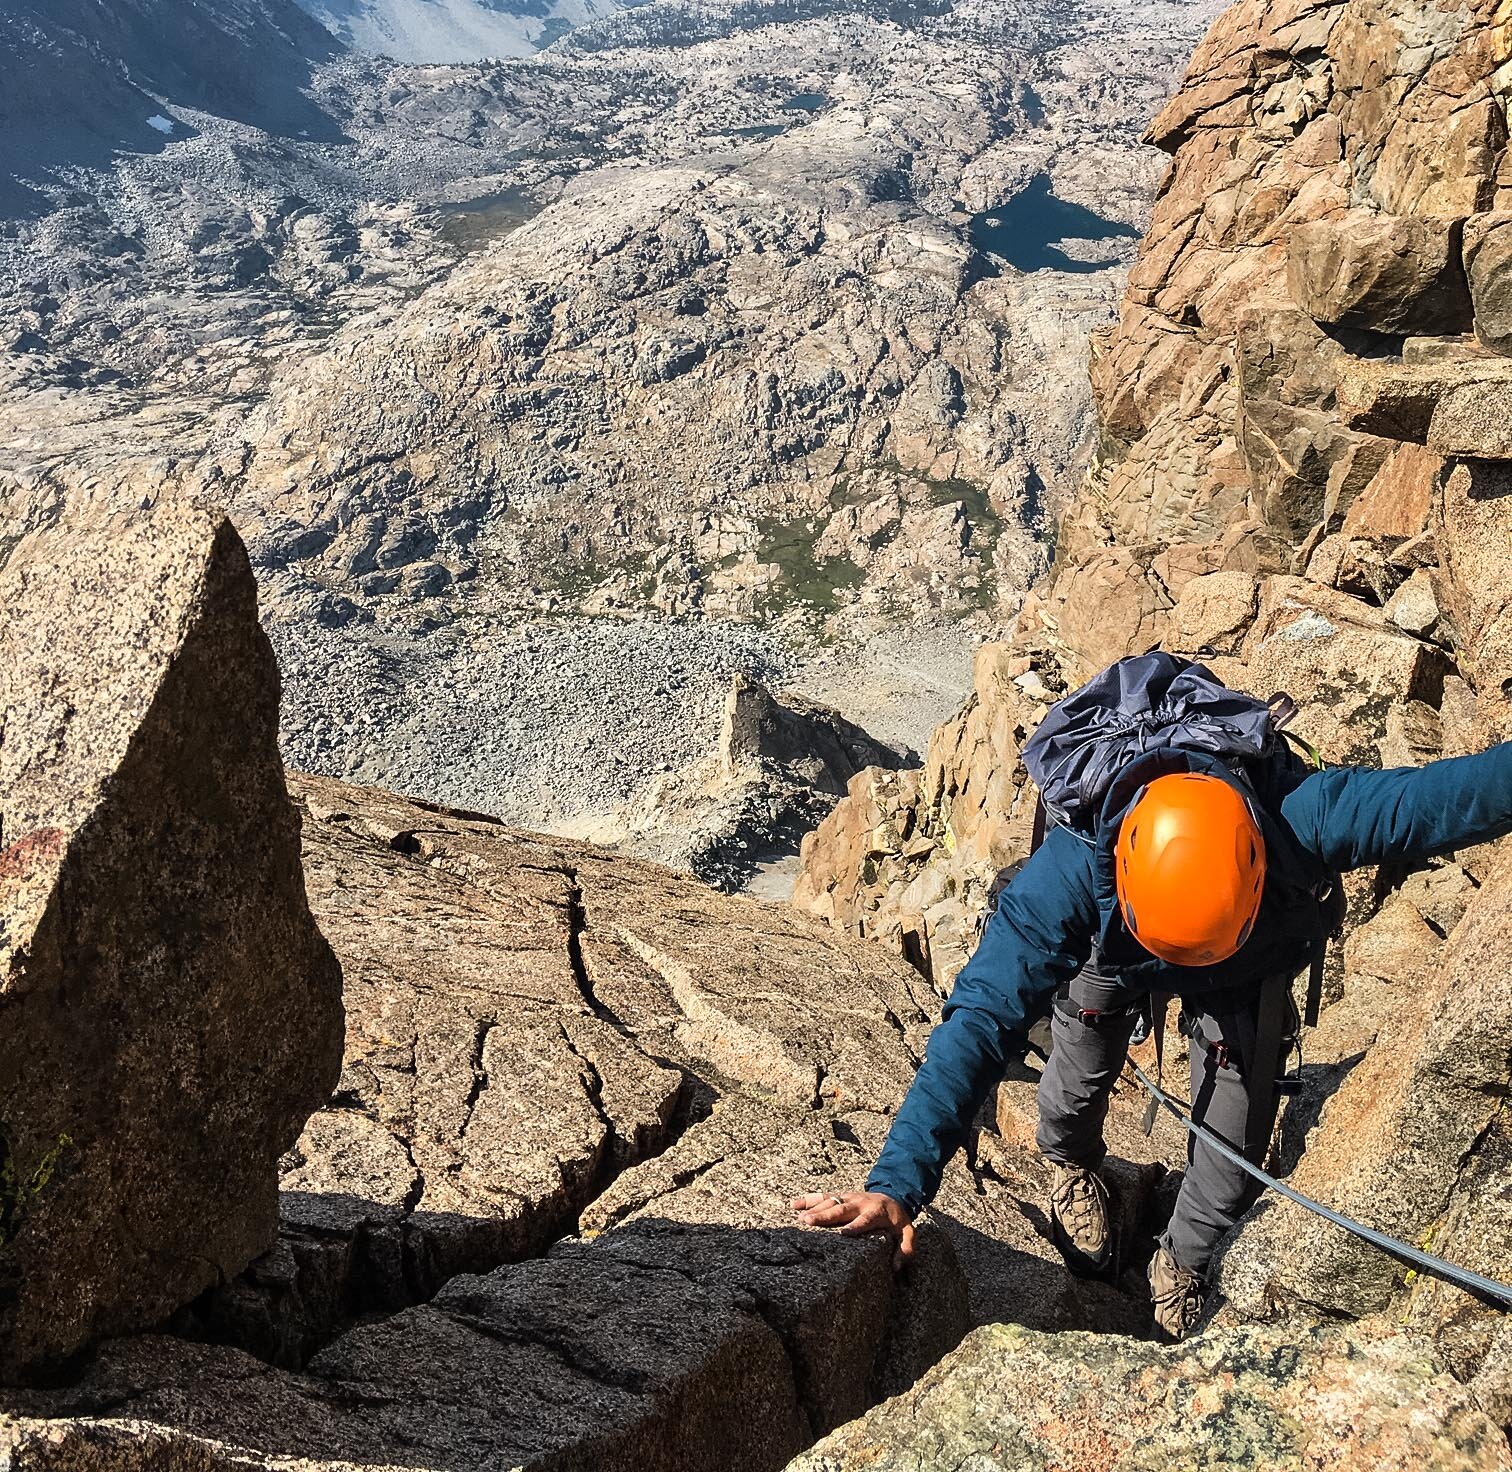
1220 1100
1084 1062
1214 1195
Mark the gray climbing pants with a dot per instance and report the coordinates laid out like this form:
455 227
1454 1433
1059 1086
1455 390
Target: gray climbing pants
1090 1032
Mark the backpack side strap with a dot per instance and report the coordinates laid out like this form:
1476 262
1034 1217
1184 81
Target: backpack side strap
1314 1003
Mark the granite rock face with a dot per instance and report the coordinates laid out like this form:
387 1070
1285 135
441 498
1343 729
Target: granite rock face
780 766
550 394
1382 273
171 1013
1301 483
1287 1396
578 1090
1399 1138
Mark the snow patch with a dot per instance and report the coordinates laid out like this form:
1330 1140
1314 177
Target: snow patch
162 124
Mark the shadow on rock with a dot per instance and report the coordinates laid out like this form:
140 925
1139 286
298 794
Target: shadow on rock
1011 1285
661 1345
1320 1082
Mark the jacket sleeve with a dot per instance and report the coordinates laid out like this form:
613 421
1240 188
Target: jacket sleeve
1355 816
1039 936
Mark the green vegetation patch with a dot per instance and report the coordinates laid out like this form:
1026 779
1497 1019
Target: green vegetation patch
986 524
21 1184
805 577
572 578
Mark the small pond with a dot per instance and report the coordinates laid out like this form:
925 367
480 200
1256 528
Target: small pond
1027 231
472 223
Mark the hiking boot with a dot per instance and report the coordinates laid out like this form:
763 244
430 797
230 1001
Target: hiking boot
1176 1295
1079 1224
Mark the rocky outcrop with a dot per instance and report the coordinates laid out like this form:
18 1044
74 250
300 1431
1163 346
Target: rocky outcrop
1307 502
781 765
579 1091
171 1015
1411 1133
677 341
1302 483
909 857
526 1022
1342 1399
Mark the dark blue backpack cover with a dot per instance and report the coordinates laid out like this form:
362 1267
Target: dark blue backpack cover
1140 705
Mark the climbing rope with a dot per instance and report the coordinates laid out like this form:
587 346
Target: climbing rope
1471 1282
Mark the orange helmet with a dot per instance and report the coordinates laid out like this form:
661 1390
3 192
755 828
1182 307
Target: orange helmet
1190 867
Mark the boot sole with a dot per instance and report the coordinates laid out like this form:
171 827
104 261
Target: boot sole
1078 1262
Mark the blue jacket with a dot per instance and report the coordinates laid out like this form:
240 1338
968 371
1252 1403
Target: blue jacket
1063 899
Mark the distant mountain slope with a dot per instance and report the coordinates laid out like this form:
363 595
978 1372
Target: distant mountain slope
452 30
80 80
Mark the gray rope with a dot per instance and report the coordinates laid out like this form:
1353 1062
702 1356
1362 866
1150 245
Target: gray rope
1472 1282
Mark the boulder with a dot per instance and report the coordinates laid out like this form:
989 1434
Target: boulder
1356 566
1110 606
172 1014
1395 506
1383 273
1456 406
1473 419
1213 613
1414 607
1343 661
1304 466
1488 266
1324 1397
1473 530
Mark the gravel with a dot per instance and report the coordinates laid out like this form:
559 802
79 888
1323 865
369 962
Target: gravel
546 721
537 722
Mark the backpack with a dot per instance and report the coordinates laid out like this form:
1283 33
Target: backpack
1144 704
1155 702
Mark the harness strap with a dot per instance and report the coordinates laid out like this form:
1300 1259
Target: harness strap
1041 820
1159 1005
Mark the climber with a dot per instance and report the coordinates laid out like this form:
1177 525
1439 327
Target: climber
1191 854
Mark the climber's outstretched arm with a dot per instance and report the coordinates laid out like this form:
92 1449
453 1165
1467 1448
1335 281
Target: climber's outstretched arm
1040 935
1355 816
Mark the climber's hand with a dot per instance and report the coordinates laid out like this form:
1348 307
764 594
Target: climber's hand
857 1213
